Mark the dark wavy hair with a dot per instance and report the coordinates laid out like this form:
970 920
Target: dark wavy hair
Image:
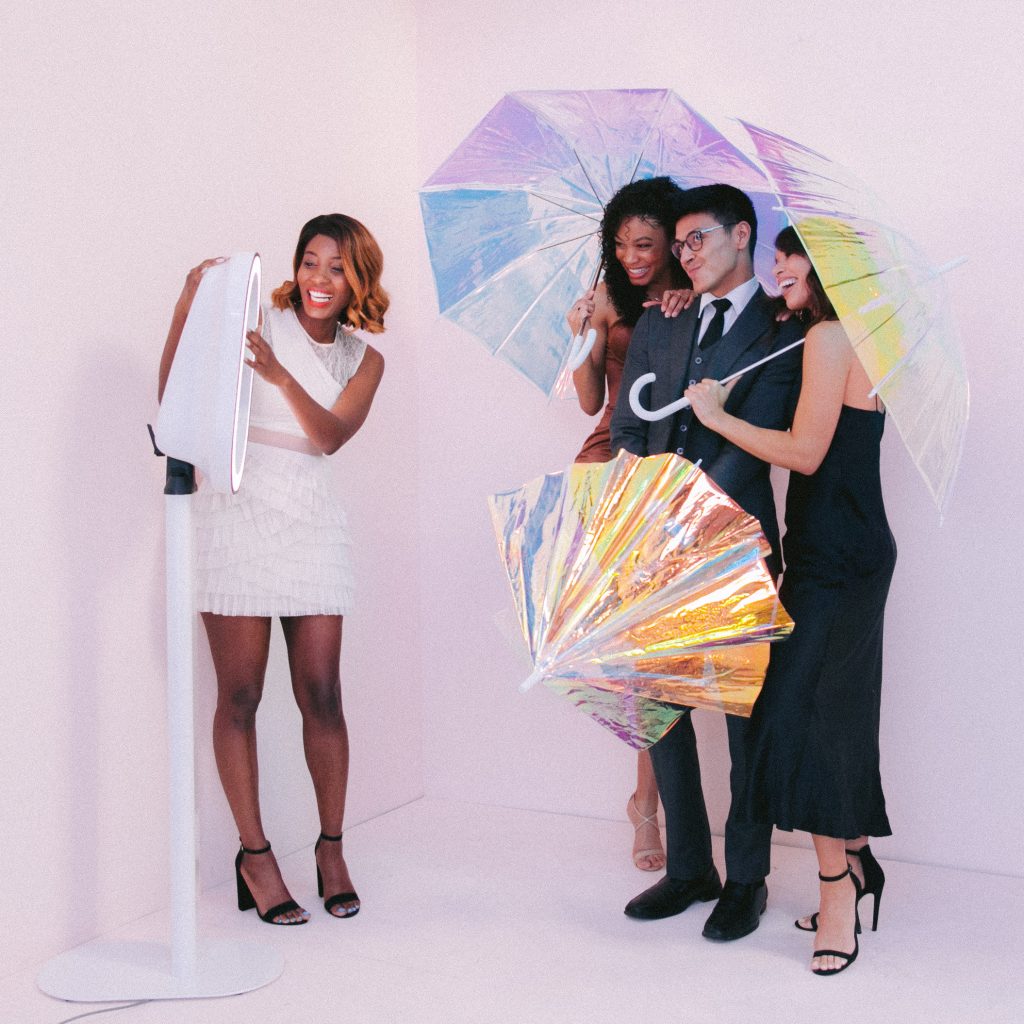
652 200
788 243
362 261
726 203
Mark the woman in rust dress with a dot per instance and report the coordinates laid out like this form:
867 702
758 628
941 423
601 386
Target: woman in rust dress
636 239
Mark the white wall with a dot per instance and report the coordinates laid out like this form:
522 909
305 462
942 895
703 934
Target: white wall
917 99
136 142
128 156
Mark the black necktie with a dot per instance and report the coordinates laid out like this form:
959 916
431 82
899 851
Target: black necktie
714 331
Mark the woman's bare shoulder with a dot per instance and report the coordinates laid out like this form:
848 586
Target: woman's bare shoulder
603 308
373 362
827 332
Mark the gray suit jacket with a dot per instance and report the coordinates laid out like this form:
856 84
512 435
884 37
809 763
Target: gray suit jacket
765 396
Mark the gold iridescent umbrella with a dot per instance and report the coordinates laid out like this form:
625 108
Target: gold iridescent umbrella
638 582
891 302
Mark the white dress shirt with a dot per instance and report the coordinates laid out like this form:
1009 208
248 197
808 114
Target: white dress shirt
739 297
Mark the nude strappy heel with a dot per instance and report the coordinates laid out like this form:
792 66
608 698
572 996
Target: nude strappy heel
638 821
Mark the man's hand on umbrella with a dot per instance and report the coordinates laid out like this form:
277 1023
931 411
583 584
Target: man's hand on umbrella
673 301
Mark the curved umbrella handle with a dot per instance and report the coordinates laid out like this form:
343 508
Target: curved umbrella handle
581 346
652 415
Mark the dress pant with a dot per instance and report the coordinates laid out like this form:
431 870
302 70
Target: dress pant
688 835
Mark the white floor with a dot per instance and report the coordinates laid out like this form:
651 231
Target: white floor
481 914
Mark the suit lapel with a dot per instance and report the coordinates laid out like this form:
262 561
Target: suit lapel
669 353
679 340
751 326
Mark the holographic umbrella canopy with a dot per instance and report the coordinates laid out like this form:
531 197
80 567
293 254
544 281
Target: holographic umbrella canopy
512 216
891 302
638 581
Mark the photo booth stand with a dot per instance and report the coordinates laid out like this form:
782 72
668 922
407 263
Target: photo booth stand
203 422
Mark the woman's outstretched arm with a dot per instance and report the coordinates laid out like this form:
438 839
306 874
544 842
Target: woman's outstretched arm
330 428
588 378
826 366
180 315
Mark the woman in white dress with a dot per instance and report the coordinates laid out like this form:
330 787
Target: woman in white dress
280 546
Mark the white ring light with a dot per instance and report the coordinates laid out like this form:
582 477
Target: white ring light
204 414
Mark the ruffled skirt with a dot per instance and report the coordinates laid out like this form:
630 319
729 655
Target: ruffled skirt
280 546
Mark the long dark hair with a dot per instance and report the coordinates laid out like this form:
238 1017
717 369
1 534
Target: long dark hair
788 243
652 200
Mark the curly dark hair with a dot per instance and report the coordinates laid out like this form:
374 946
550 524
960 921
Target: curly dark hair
787 241
652 200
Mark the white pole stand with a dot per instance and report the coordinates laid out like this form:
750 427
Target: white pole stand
108 971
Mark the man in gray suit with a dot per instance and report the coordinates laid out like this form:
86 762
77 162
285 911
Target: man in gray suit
732 326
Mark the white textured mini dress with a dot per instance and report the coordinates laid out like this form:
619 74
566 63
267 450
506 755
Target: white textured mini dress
280 546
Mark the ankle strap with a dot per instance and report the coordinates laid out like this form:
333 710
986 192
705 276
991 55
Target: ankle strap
254 853
324 838
834 878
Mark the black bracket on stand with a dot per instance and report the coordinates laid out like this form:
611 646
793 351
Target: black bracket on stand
181 476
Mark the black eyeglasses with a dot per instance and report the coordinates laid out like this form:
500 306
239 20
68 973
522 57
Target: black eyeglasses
694 241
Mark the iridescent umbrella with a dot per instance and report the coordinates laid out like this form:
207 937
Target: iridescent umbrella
638 581
512 215
891 303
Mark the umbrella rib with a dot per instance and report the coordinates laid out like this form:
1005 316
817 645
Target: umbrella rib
587 176
499 232
639 159
910 267
698 152
650 131
565 241
547 199
901 362
539 296
598 123
508 268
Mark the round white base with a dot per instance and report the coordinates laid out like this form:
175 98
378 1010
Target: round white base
106 972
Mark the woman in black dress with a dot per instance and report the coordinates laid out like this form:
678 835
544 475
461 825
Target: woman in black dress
814 731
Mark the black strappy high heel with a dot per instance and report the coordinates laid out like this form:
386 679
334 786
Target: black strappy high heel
847 957
339 898
874 879
874 882
246 901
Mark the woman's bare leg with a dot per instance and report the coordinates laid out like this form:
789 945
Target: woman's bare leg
239 645
837 908
645 800
853 846
314 655
808 924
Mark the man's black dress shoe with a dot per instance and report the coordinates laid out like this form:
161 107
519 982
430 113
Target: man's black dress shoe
738 911
673 895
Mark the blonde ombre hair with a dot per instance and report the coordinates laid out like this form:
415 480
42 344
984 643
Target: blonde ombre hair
362 262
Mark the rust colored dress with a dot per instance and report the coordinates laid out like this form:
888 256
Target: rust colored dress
598 446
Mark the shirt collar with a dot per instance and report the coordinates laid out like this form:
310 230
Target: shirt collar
739 297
